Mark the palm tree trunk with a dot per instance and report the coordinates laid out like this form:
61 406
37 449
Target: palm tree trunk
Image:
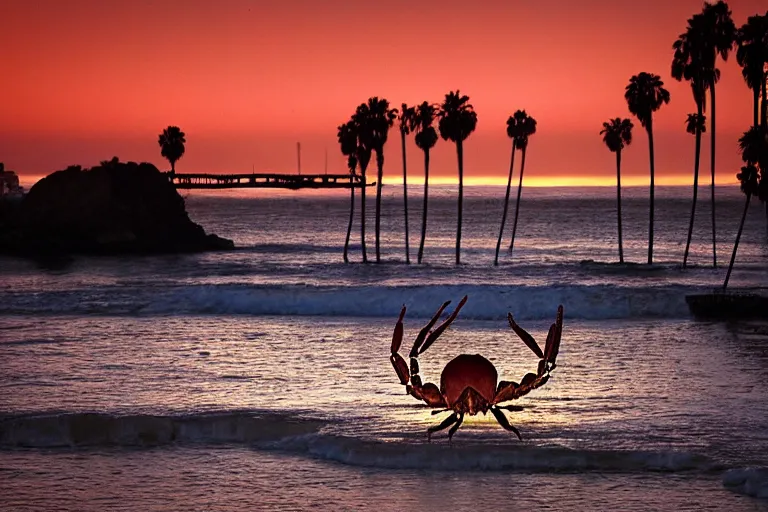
405 201
695 191
736 245
364 185
380 166
517 203
618 204
712 167
650 222
506 203
424 212
764 105
351 217
460 155
756 107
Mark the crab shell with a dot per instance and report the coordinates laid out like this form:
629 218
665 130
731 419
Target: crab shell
468 384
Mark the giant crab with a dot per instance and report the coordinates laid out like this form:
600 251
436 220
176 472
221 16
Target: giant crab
468 382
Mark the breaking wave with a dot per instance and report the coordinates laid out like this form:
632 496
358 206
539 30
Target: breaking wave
487 302
749 481
100 429
309 438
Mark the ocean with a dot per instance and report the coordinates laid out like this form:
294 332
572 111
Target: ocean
259 379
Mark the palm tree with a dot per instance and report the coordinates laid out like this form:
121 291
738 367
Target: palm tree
458 120
360 120
752 55
513 131
526 127
347 136
171 143
754 151
695 125
707 35
719 31
406 118
617 133
645 94
426 138
375 119
519 126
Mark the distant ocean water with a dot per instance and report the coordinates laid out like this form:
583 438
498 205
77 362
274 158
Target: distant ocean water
259 378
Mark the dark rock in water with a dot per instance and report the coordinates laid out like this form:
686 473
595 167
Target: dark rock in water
115 208
728 306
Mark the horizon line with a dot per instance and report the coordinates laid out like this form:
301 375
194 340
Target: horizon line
528 181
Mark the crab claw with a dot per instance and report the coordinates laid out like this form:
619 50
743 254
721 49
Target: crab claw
527 338
443 326
550 340
426 330
397 336
553 338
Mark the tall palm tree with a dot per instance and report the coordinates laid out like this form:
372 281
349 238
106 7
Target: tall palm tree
719 31
617 133
347 136
754 152
360 120
375 119
695 125
645 94
458 120
426 138
696 50
526 128
171 143
406 118
513 131
752 55
519 127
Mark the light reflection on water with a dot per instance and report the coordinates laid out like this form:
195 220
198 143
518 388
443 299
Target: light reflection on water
619 385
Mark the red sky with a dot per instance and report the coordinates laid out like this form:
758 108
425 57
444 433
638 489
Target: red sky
85 80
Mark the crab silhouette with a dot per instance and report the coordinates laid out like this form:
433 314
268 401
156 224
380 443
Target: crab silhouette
468 382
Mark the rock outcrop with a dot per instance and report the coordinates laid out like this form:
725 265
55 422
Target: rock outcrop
115 208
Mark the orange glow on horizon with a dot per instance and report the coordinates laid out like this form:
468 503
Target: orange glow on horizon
28 181
86 80
566 181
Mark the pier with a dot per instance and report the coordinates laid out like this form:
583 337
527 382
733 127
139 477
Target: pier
266 180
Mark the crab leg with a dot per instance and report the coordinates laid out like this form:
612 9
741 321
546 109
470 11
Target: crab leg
456 426
447 422
504 422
